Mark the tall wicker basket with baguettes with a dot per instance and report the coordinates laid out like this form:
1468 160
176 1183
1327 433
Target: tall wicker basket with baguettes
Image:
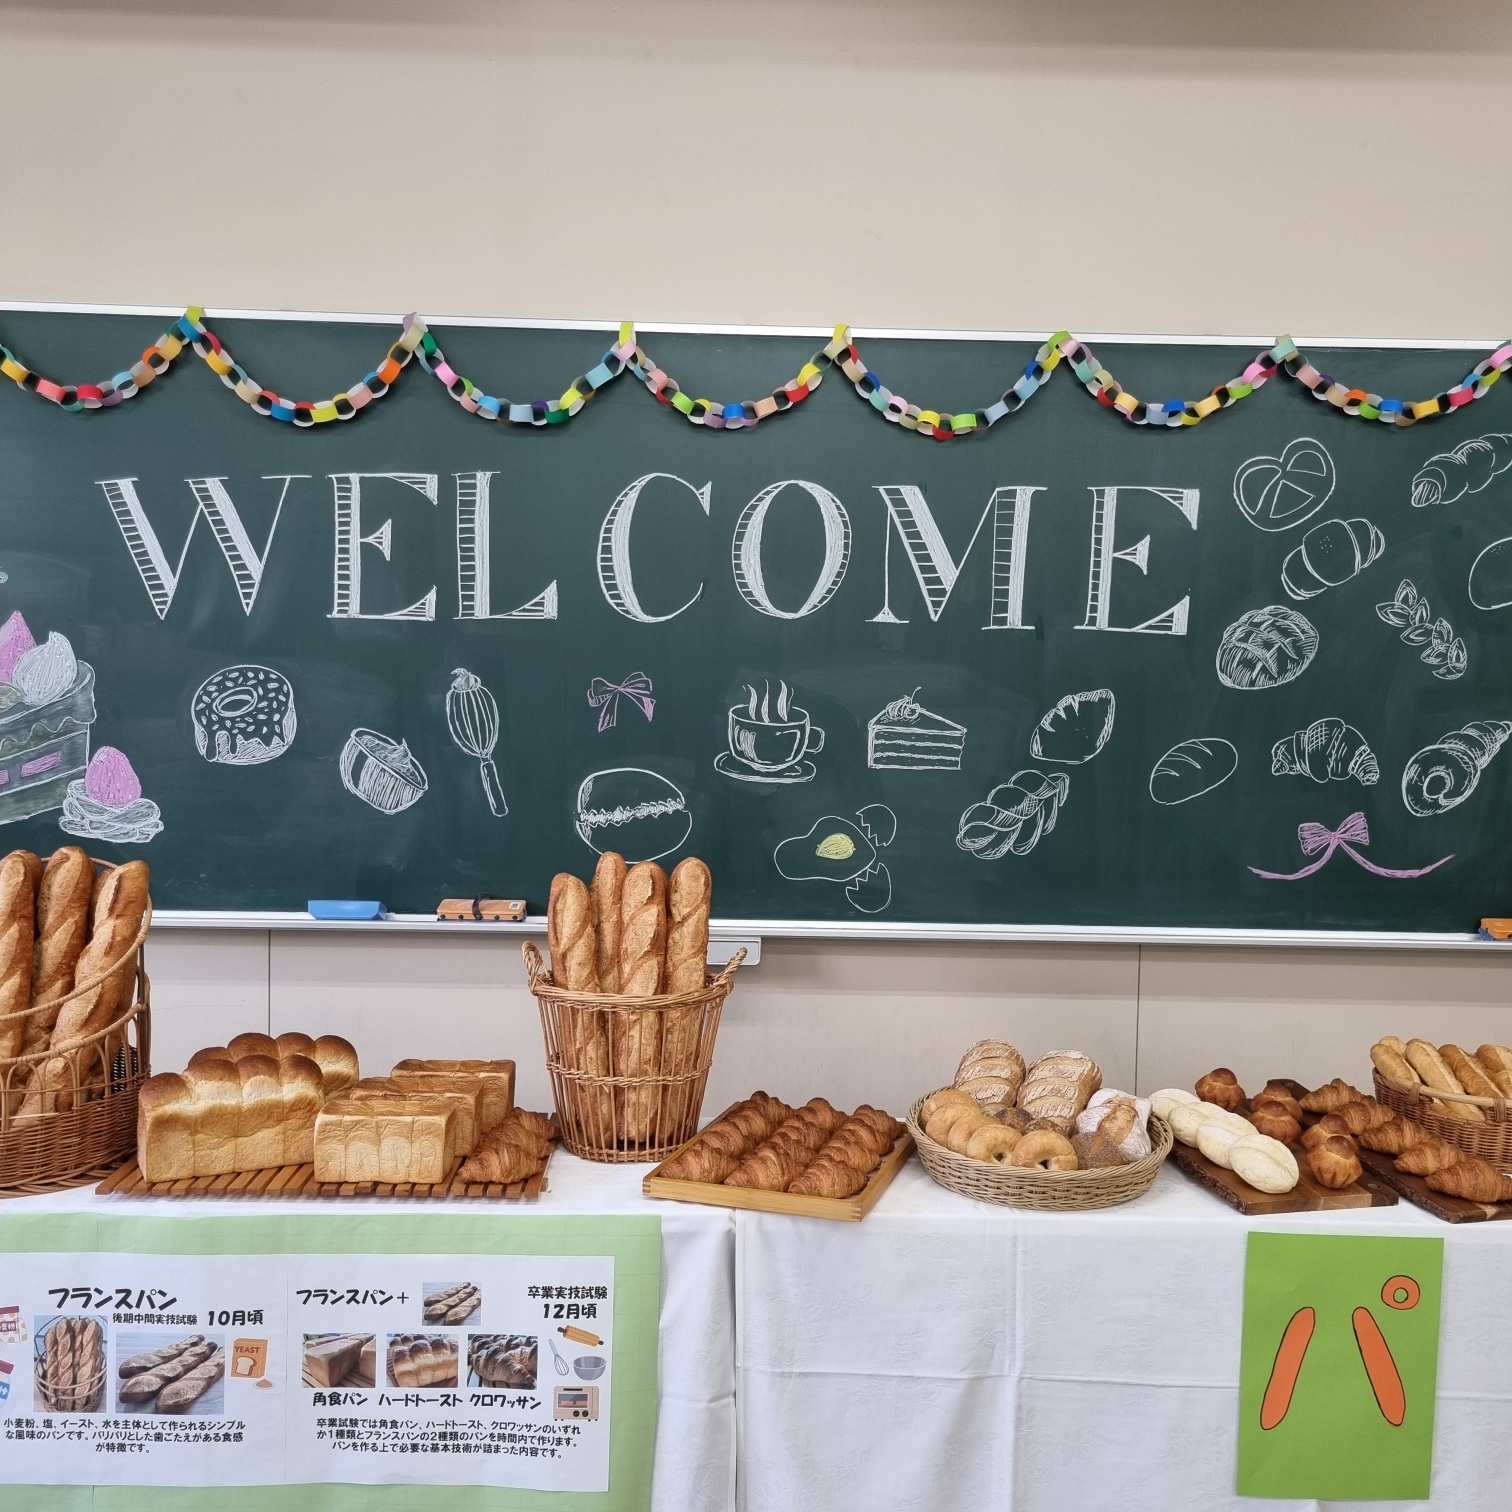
1489 1136
1050 1191
87 1123
628 1118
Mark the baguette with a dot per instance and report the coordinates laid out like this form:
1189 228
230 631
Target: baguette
183 1394
569 935
1497 1060
635 1038
140 1364
1392 1063
1425 1059
142 1387
608 901
63 898
689 896
18 882
1469 1072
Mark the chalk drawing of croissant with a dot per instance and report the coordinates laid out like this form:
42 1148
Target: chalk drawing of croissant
1328 750
1330 554
1444 774
1015 815
1467 469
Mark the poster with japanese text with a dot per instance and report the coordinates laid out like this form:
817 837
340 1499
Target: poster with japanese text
330 1353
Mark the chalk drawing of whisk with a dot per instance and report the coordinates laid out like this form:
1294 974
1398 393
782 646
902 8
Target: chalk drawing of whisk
472 716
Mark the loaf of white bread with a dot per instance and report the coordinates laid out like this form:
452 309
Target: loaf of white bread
245 1106
415 1124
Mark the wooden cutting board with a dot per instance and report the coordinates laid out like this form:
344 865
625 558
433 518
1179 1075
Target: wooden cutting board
1440 1204
1306 1197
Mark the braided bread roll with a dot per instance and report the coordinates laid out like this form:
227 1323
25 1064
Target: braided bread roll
63 899
19 873
635 1038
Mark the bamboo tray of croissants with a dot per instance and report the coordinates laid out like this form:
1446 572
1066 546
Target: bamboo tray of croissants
810 1162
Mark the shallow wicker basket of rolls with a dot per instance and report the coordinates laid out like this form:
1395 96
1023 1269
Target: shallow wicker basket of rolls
1051 1191
75 1015
1432 1085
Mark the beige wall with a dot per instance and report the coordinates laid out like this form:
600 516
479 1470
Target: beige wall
1007 164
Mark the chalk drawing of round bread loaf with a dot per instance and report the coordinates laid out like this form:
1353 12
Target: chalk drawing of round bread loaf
1265 648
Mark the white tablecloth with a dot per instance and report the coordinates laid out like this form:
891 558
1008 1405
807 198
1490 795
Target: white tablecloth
950 1356
695 1433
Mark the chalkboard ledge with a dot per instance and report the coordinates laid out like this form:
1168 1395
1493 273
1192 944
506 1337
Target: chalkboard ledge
725 935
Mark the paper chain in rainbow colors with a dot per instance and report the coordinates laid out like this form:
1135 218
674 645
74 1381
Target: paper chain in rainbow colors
416 340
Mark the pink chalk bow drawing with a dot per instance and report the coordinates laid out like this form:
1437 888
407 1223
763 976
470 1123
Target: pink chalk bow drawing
1354 831
605 696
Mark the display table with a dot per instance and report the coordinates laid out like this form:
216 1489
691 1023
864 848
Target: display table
946 1355
949 1356
695 1445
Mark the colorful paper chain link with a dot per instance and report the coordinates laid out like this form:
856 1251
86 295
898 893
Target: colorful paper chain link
539 411
190 330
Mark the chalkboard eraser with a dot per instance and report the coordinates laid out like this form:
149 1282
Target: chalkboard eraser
483 909
346 908
1496 929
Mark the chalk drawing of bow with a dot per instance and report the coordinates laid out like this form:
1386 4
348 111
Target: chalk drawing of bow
1354 831
605 696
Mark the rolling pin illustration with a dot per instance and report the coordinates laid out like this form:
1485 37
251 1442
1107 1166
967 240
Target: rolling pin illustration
580 1336
1283 1377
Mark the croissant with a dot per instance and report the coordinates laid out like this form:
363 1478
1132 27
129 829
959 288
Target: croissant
1472 1178
829 1178
1431 1155
502 1163
1330 1097
1327 750
1394 1136
768 1169
701 1161
1330 554
1367 1113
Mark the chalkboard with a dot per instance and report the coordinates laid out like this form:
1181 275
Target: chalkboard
1072 671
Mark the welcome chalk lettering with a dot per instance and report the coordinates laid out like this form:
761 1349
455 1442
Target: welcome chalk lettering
1003 525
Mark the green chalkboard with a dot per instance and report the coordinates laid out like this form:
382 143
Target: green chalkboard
1234 584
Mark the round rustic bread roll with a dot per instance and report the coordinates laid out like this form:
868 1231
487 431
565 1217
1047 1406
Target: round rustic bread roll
1264 1163
1167 1098
1187 1118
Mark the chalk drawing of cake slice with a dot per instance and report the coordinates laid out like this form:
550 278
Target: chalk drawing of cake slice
906 737
46 708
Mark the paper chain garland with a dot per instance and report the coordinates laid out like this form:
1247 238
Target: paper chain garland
416 340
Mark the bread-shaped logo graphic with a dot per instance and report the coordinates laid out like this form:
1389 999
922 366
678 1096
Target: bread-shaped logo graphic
1328 750
1192 768
1075 730
1444 774
1276 493
1330 554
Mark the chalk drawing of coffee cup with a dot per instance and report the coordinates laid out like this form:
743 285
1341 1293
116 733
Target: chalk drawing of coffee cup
770 740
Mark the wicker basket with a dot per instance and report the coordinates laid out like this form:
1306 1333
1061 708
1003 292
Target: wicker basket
98 1075
1050 1191
78 1396
627 1118
1490 1139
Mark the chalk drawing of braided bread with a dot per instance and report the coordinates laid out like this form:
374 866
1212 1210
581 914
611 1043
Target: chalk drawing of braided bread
1014 816
1265 648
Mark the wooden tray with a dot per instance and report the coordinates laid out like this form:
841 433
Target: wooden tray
843 1209
299 1181
1440 1204
1306 1197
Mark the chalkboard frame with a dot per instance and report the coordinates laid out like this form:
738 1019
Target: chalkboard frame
874 929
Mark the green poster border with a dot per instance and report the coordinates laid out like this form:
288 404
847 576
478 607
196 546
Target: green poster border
633 1241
